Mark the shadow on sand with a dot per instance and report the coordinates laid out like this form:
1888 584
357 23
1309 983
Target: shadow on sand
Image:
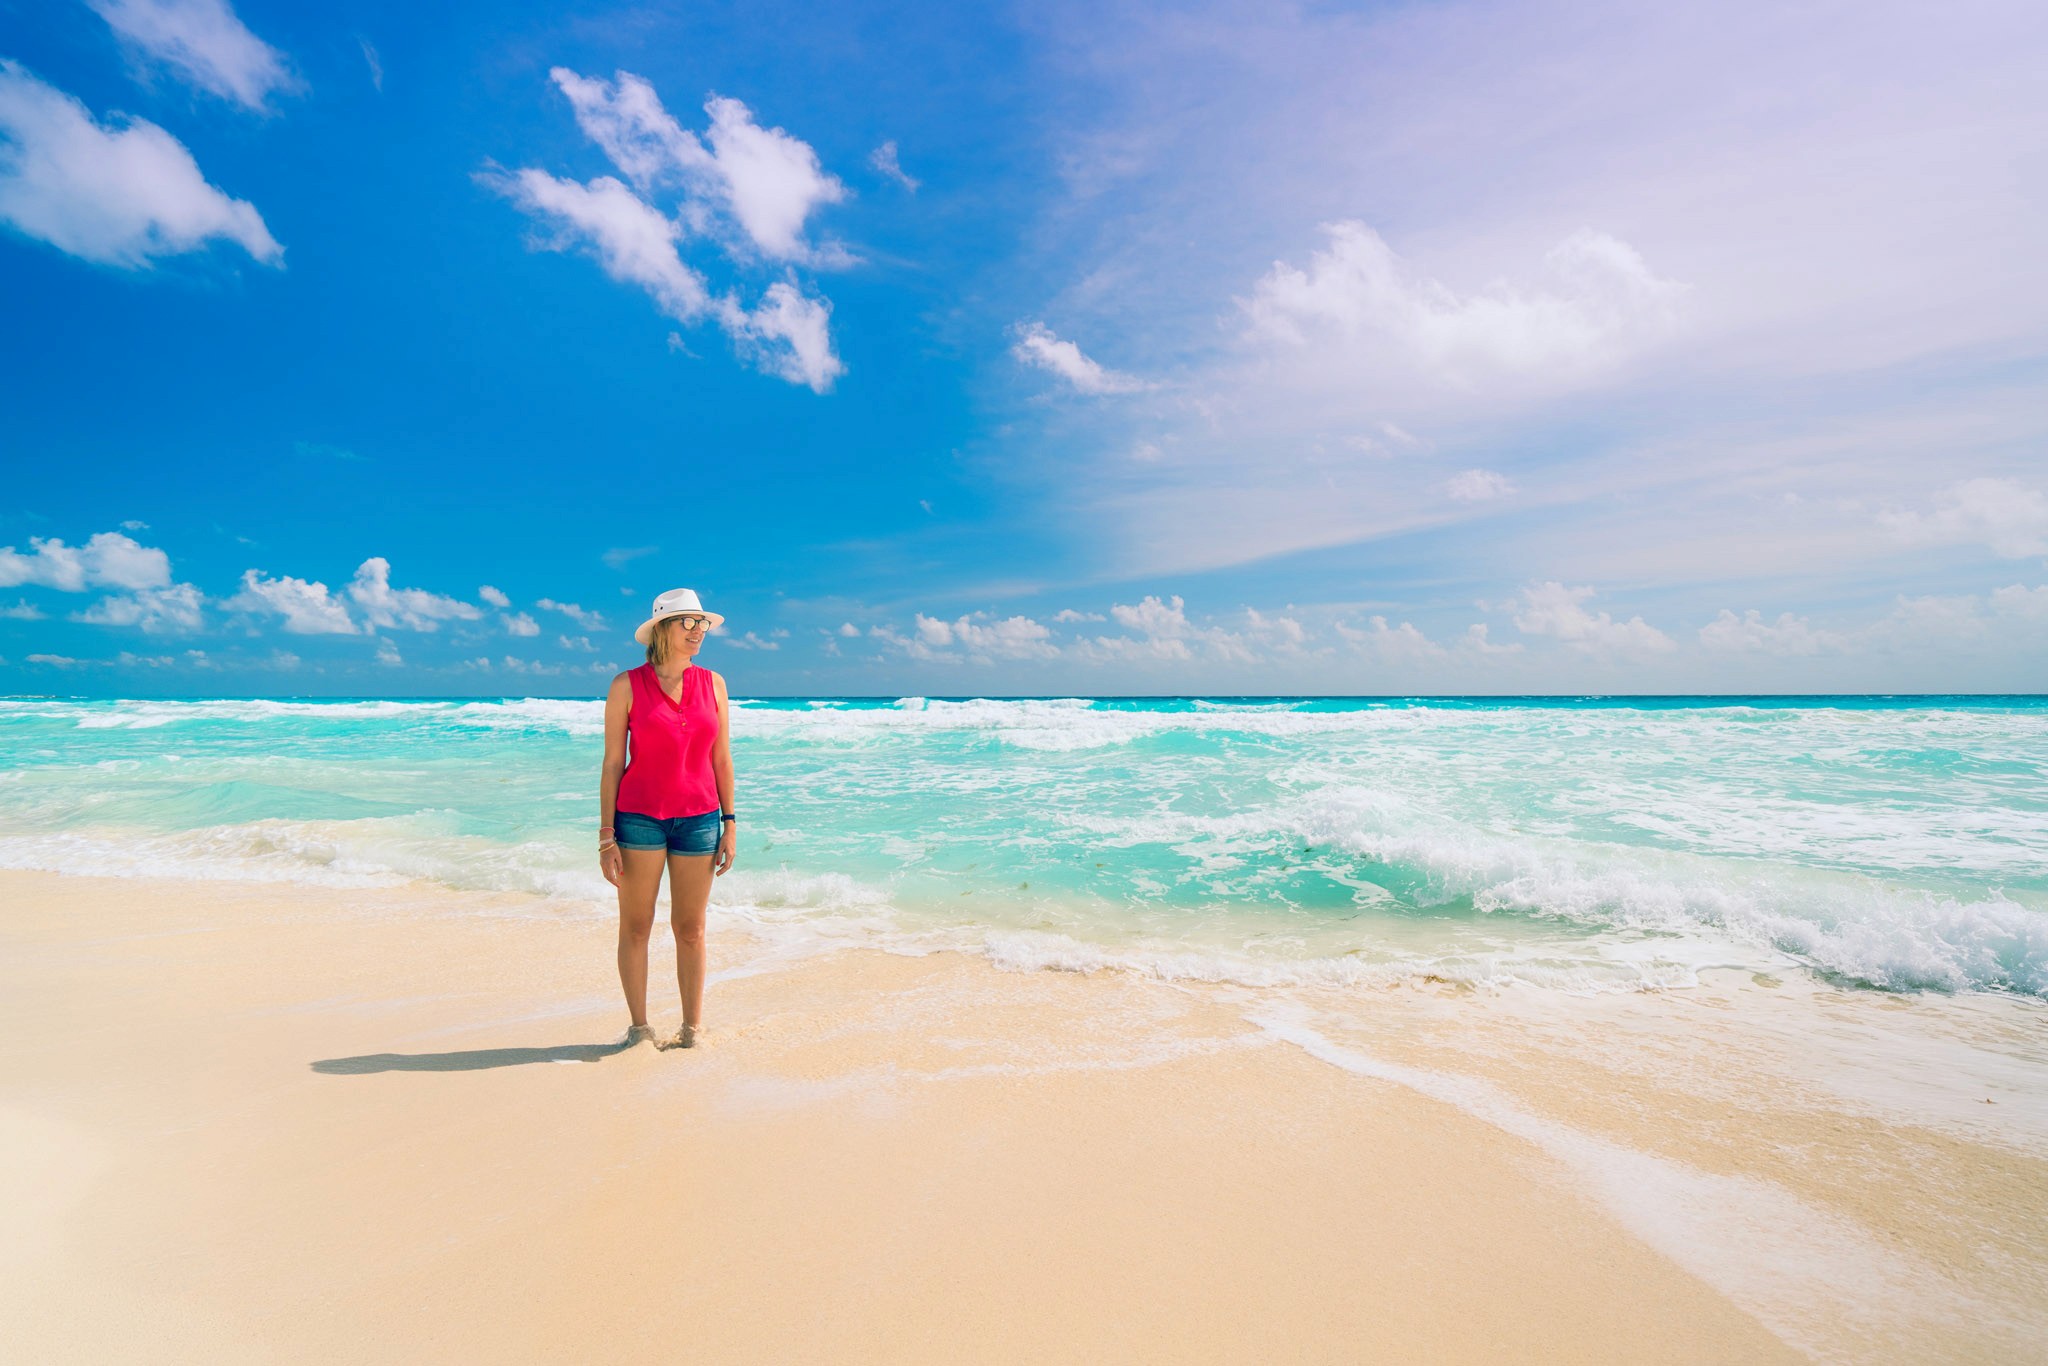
473 1060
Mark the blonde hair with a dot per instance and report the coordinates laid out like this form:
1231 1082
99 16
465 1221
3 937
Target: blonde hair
659 649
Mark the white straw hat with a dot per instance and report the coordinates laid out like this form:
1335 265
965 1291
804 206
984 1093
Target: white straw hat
674 603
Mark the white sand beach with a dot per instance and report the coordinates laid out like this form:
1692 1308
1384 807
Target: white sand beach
260 1122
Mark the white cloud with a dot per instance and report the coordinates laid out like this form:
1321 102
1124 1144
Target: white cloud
1165 633
976 636
1016 637
788 335
107 560
628 121
520 624
2011 615
752 641
387 652
21 611
493 596
1395 644
117 194
883 159
981 637
2007 516
1474 486
54 661
175 608
1475 640
1278 632
772 180
1751 634
414 609
307 607
589 621
206 44
1850 344
2019 601
1068 614
1551 609
1153 617
764 180
751 189
1038 345
633 241
1360 297
848 629
579 643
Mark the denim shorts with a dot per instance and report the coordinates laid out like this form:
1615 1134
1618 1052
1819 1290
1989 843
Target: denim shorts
678 834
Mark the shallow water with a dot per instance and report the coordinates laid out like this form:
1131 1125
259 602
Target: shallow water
1890 844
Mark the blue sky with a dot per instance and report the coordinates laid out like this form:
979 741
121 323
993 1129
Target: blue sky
1062 349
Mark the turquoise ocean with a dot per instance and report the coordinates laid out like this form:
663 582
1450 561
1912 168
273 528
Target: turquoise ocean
1588 845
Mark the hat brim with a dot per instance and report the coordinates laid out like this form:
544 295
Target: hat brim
645 635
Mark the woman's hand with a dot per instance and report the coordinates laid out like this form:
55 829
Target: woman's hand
728 848
611 863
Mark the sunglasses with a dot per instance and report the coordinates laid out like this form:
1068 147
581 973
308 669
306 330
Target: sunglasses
693 622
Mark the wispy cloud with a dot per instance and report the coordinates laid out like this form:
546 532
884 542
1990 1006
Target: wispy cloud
1039 346
883 159
633 241
123 193
589 621
1367 310
1476 486
1554 230
207 45
2009 517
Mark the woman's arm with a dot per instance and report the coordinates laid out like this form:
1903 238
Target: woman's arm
617 703
721 769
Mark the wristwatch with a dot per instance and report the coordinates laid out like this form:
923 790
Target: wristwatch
729 816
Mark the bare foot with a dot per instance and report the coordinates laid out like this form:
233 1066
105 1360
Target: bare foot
637 1034
685 1037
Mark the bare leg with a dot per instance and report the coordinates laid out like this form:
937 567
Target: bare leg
689 893
639 886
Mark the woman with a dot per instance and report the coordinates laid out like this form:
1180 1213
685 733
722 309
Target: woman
665 799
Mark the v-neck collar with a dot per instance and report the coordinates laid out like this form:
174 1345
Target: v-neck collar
655 678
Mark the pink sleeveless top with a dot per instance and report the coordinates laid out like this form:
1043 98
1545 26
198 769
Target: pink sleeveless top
668 747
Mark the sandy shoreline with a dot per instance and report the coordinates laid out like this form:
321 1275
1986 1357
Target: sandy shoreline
258 1122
